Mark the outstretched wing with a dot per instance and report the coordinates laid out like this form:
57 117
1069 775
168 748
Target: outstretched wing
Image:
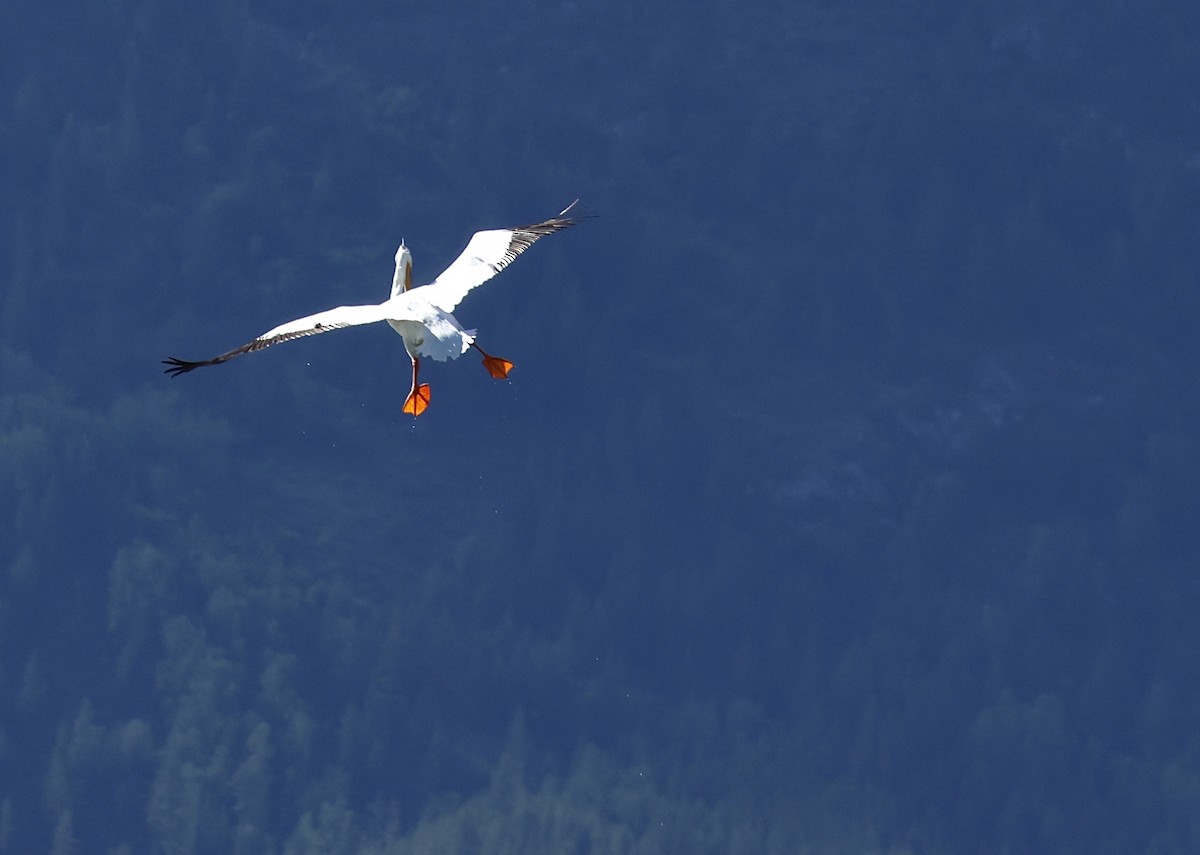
488 253
333 319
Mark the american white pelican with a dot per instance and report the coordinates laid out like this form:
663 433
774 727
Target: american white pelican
420 315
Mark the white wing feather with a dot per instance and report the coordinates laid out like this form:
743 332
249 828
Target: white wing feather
331 319
486 254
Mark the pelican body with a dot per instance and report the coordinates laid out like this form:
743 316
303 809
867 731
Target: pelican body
422 316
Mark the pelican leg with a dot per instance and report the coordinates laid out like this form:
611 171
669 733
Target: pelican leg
495 366
418 395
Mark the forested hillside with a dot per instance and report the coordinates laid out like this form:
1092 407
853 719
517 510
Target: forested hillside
843 499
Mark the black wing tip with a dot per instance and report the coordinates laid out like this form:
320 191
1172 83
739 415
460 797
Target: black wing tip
176 366
558 222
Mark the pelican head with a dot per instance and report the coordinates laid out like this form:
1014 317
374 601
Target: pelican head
402 280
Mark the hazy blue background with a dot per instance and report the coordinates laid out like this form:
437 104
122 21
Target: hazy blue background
844 497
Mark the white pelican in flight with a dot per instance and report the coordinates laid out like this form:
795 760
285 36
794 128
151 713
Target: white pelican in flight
420 315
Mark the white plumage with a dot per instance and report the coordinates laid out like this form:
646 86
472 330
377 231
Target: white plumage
422 315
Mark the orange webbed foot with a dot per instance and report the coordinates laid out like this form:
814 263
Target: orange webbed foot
497 367
417 400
